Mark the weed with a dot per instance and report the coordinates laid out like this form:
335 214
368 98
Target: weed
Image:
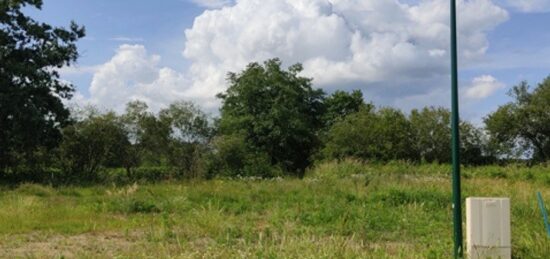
346 209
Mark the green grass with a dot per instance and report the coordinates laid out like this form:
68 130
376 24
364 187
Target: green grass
340 210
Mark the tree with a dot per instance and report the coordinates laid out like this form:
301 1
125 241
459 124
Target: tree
387 134
431 128
177 136
275 111
190 133
340 104
189 123
381 135
31 111
473 145
522 127
149 134
432 134
94 143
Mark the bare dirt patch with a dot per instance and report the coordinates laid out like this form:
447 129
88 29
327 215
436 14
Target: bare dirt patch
94 244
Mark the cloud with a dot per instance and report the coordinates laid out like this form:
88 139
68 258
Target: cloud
394 45
483 87
212 3
134 74
530 6
392 50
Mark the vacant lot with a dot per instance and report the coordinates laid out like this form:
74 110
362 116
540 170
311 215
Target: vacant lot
343 210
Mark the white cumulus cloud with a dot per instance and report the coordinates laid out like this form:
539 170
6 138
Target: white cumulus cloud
339 42
393 49
134 74
483 87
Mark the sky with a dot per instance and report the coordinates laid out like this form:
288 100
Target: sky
395 51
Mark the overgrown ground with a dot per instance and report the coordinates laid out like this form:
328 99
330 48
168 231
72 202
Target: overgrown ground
341 210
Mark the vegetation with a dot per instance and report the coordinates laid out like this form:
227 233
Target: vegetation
381 135
276 114
272 123
31 111
286 170
523 126
345 209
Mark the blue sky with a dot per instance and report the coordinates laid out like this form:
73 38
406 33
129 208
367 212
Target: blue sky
158 25
161 51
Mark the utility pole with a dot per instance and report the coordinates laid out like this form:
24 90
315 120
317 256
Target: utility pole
457 207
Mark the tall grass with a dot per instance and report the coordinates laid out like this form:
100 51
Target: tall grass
347 209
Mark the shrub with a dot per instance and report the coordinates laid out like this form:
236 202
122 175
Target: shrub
232 157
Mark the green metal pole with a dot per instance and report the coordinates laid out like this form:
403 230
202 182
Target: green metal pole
457 207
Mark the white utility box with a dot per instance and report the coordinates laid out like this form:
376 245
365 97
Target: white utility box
488 228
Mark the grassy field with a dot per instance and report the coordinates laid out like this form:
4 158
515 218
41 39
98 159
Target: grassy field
340 210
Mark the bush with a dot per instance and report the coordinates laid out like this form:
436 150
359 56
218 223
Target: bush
232 157
92 144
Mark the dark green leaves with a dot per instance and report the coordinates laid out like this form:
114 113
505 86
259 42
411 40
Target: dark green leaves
276 112
522 127
31 110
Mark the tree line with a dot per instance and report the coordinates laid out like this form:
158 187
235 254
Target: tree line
272 122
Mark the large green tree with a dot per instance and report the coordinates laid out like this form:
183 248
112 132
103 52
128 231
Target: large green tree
275 112
522 127
31 92
381 135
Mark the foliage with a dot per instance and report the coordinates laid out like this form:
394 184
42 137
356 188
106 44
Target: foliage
99 141
176 137
381 135
431 128
31 110
340 104
149 134
233 158
432 131
190 133
522 127
276 112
